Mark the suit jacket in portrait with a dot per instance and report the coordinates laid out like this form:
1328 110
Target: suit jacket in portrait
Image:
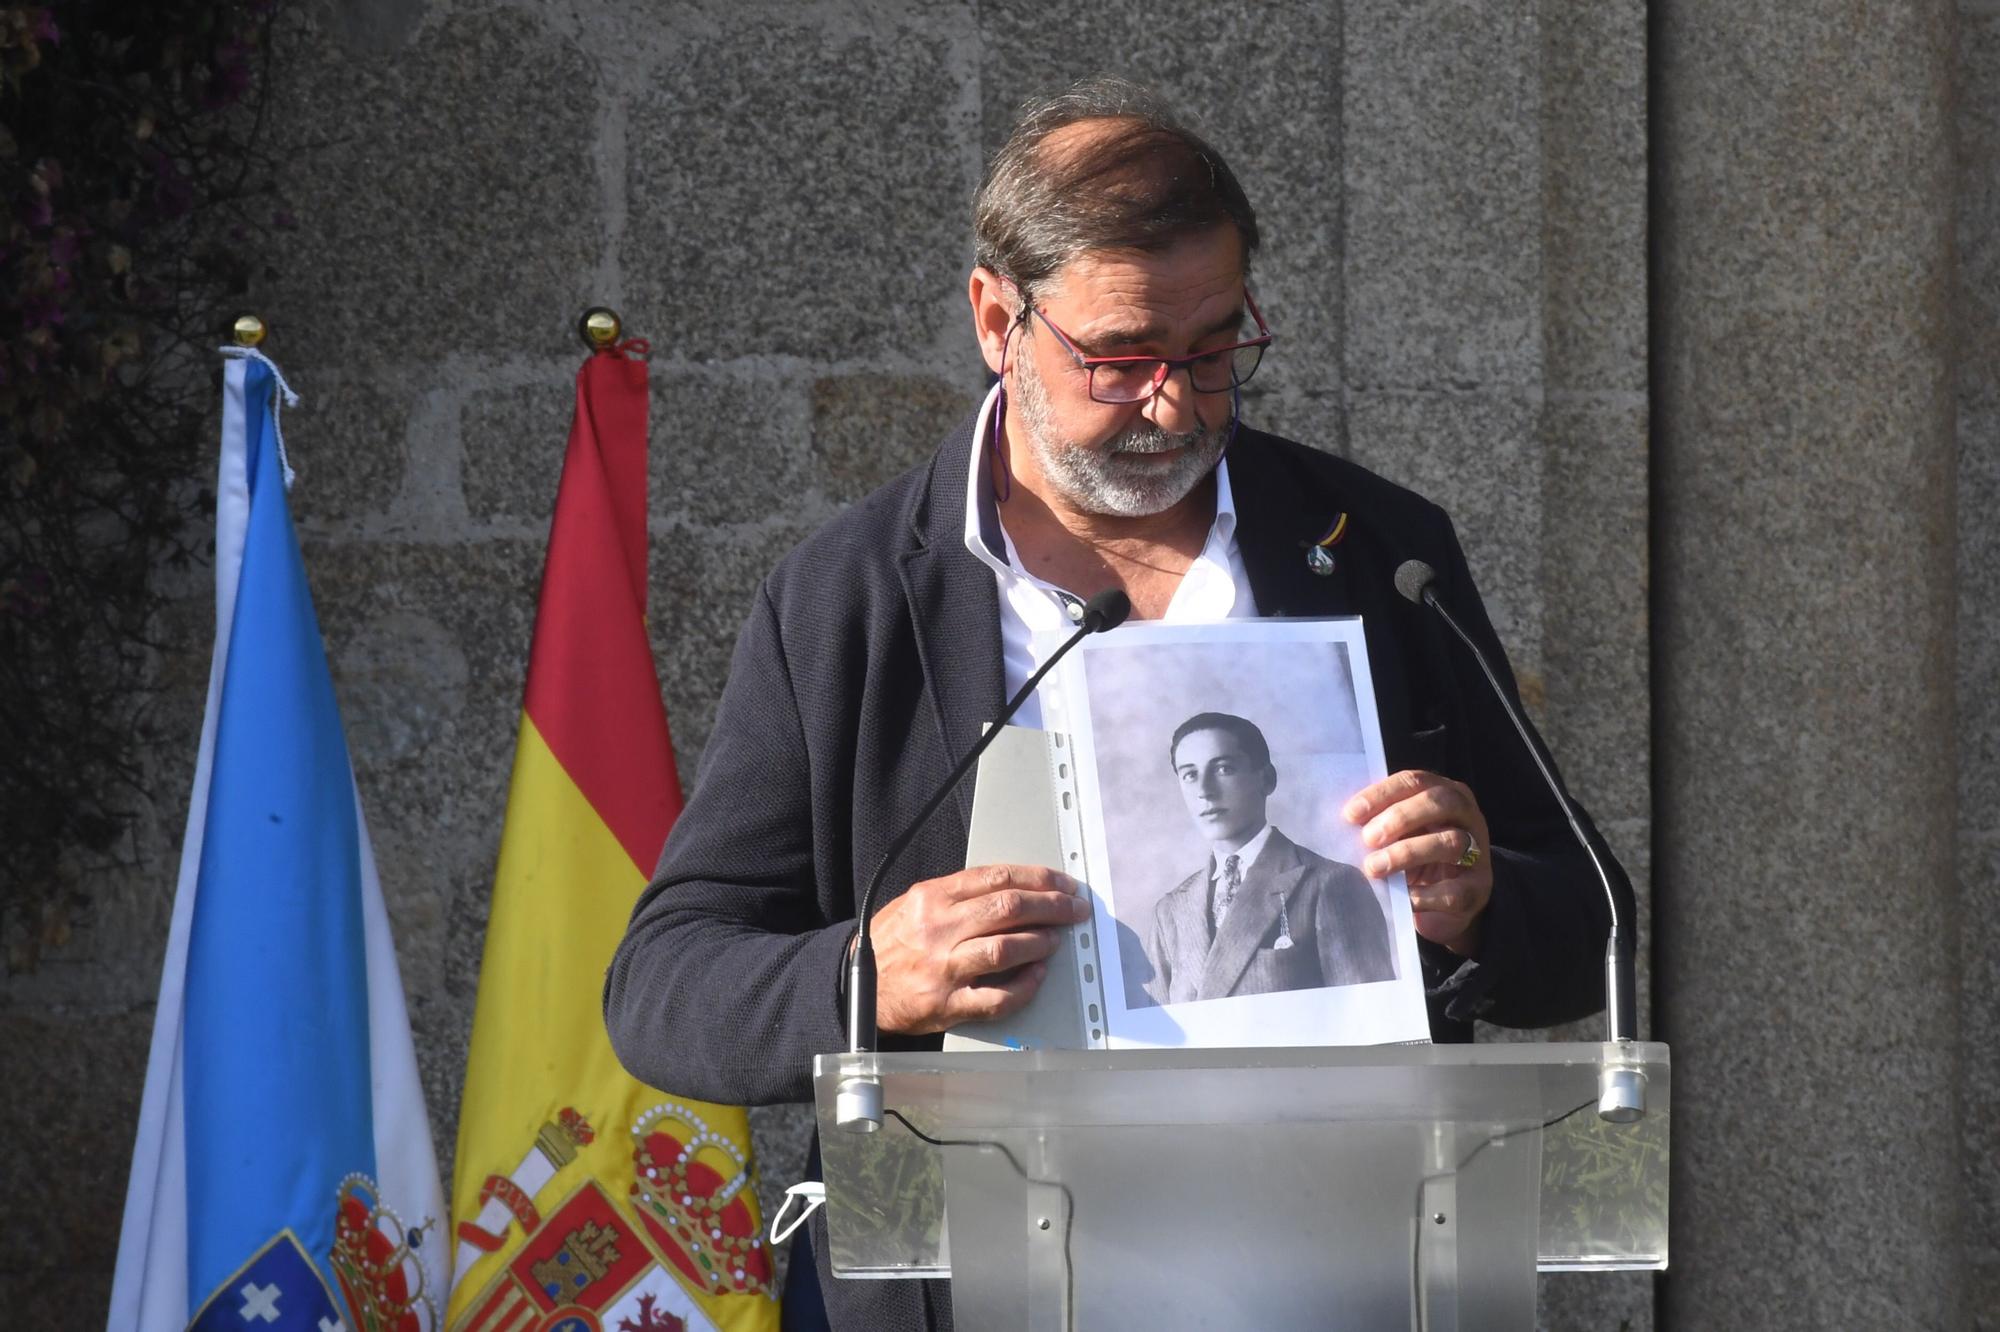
1335 926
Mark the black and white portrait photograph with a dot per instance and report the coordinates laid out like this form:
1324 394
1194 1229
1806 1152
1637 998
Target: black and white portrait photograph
1213 763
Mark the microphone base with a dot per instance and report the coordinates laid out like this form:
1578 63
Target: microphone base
857 1105
1621 1095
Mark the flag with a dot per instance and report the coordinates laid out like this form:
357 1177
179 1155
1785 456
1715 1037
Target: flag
283 1176
580 1194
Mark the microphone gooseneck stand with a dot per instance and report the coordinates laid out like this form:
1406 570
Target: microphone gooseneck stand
1621 1095
858 1099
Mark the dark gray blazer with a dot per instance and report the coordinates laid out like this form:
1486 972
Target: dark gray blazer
1337 933
868 661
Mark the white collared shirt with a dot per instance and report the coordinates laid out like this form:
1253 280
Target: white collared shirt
1215 587
1246 855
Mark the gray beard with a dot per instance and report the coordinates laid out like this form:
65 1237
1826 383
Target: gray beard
1103 479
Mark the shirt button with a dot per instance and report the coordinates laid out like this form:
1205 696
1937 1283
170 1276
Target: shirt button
1074 609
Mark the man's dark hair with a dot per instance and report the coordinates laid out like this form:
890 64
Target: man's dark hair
1242 728
1145 183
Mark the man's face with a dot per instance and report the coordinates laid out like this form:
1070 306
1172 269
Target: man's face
1223 786
1128 459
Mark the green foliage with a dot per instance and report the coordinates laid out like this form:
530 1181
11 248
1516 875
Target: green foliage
134 198
1604 1187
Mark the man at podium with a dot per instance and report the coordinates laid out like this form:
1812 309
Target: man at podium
1112 298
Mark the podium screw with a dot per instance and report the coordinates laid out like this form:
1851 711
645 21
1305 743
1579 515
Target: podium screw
1437 1218
1041 1223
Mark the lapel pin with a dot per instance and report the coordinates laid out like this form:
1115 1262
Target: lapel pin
1319 556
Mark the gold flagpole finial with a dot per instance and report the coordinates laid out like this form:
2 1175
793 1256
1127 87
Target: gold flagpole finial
599 327
248 330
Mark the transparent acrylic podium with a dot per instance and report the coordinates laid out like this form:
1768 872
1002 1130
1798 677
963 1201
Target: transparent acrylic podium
1352 1187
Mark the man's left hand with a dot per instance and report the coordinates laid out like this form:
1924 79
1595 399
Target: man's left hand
1427 826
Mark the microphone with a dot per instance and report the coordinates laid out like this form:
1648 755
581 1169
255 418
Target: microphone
858 1100
1621 1091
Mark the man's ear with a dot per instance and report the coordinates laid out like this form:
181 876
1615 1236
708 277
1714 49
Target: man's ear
1270 778
994 305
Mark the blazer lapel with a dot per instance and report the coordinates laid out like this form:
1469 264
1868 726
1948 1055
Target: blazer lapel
954 609
1278 519
1186 926
1271 880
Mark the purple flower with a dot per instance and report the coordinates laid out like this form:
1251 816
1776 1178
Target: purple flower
231 76
27 594
45 27
173 192
41 312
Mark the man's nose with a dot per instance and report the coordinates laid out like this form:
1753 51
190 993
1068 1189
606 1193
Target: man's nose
1177 408
1209 787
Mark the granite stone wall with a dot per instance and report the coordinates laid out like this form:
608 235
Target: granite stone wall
1817 950
1975 916
776 195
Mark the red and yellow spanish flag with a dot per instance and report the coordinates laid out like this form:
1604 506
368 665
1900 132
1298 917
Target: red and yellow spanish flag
582 1199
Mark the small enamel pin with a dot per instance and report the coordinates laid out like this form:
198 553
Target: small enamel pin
1319 555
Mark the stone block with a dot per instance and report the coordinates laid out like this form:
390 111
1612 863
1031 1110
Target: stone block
1978 914
1978 926
1979 618
111 955
1594 1301
1978 185
1251 80
1978 730
110 952
429 648
511 444
1478 455
703 583
346 441
1443 192
1311 418
73 1084
798 190
1594 586
730 448
1593 245
869 428
444 190
57 1297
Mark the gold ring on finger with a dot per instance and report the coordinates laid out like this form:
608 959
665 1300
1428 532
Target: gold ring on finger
1471 855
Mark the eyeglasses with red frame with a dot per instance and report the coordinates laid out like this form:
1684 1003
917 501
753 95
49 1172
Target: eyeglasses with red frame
1127 379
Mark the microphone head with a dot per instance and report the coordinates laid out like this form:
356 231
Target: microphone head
1414 578
1106 610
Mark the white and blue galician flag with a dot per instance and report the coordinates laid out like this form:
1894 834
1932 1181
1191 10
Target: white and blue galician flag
283 1177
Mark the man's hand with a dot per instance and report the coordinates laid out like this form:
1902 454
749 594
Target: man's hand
1422 824
969 946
